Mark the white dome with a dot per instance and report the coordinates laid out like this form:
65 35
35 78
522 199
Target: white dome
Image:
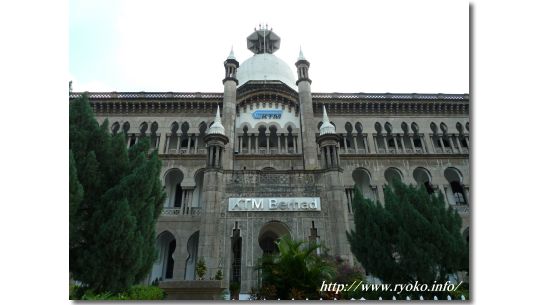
265 66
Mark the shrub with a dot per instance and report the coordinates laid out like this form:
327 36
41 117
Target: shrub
138 292
201 268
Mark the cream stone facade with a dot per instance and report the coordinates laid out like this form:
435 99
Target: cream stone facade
268 147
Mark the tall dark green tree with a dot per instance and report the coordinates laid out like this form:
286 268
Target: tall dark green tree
414 237
116 197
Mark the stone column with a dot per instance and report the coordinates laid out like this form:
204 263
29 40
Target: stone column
412 144
425 145
162 142
367 147
458 144
386 144
217 157
256 143
355 142
196 144
402 142
188 144
372 143
345 144
335 159
240 144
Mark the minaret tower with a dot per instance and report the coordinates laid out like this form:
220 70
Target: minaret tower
213 191
308 124
230 83
328 141
334 188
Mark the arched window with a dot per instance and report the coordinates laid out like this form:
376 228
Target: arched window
444 128
392 174
414 127
433 127
174 191
245 137
290 138
262 137
143 128
174 139
153 134
405 128
423 177
126 127
388 127
363 181
197 193
131 140
185 136
459 127
115 128
358 127
456 192
273 139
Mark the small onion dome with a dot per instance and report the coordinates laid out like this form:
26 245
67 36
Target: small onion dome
217 127
326 127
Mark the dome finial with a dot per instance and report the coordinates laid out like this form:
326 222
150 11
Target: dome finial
217 127
326 127
231 56
301 56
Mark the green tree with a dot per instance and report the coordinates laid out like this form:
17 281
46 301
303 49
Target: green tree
76 193
414 237
295 271
114 206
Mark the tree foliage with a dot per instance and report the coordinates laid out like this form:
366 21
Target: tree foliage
414 237
296 271
115 199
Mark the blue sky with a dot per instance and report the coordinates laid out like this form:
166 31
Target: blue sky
353 46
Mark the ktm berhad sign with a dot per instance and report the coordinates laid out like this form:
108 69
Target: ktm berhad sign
276 204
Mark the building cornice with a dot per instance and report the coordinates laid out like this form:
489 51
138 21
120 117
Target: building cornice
125 103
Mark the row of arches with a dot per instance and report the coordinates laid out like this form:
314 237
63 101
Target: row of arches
455 190
406 128
174 127
184 198
267 139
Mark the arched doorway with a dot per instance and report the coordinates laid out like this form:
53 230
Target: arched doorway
163 267
269 234
192 250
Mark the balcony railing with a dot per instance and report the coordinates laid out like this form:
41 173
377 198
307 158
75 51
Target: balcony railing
193 211
461 208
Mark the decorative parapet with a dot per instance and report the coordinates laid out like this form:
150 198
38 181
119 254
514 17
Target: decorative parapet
336 103
181 212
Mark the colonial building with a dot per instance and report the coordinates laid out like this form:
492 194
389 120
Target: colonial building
282 159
